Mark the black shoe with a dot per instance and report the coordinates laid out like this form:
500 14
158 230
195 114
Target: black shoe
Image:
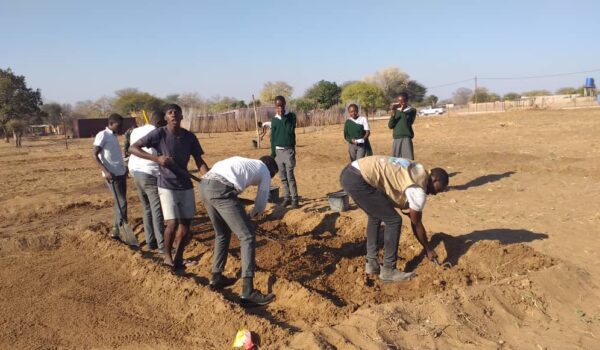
295 204
219 282
256 298
286 202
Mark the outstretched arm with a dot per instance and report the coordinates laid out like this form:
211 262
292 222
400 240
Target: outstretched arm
419 231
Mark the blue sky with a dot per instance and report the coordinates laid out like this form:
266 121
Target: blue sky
77 50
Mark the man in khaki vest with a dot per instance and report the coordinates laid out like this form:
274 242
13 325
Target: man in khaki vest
381 186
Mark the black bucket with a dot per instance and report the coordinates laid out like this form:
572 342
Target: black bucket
338 201
273 194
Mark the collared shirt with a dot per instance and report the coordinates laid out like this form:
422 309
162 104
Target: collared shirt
110 156
242 173
141 165
361 121
415 195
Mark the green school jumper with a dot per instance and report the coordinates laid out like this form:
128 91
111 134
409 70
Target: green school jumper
283 132
353 130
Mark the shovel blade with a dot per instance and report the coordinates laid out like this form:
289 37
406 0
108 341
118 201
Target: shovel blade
127 235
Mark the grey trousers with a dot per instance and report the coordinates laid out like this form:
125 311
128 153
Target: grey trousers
286 161
356 152
226 212
403 148
119 192
379 208
147 186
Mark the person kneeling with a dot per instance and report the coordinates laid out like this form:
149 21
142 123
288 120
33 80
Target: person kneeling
220 188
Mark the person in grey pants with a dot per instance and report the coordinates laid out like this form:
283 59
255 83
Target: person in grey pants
220 188
145 176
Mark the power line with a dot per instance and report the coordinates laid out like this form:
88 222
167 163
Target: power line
514 78
541 76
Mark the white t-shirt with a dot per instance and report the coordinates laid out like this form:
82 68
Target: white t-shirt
244 172
415 195
110 156
141 165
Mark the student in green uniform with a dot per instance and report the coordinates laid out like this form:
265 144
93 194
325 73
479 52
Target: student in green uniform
401 121
356 132
283 149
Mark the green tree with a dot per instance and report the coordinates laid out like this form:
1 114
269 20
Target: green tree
369 96
394 81
272 89
52 113
132 100
173 98
430 100
303 104
221 104
511 96
537 93
17 101
462 96
324 94
481 95
570 91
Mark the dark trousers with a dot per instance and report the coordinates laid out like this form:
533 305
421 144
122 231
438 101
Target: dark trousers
118 188
226 212
379 208
147 186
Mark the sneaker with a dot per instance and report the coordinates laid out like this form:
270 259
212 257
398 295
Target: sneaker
295 204
218 281
256 298
394 275
372 268
286 202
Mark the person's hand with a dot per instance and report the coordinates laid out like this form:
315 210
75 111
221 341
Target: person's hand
431 254
353 141
394 106
109 176
164 160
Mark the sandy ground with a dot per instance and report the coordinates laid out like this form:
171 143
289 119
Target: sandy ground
519 224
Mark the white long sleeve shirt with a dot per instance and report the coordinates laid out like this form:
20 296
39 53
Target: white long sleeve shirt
244 172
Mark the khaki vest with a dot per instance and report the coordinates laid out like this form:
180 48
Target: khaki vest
393 176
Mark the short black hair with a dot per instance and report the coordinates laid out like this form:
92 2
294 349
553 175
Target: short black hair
259 124
353 105
441 176
172 106
157 117
403 94
271 164
279 98
115 118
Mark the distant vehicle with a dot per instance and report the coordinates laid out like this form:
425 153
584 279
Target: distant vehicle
432 111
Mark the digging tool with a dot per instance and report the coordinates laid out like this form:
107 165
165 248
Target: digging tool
446 265
125 231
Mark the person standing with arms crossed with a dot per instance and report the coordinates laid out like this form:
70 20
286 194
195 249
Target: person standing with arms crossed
401 121
283 149
175 146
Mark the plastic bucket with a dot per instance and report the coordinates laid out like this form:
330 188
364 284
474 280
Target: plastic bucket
273 194
338 201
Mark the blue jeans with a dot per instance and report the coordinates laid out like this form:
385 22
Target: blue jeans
153 218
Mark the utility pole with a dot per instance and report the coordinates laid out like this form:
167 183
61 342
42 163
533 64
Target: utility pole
64 130
256 122
475 92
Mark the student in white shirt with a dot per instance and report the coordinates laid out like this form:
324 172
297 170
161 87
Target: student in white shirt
220 188
145 177
356 133
107 155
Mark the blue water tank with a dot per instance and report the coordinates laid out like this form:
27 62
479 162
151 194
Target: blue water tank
589 83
